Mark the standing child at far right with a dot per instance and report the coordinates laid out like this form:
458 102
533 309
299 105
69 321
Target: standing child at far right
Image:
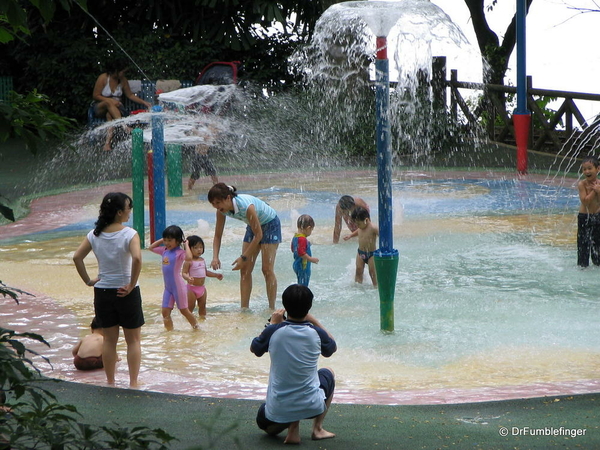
588 219
367 244
301 249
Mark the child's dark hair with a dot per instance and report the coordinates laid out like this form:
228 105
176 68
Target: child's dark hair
305 221
297 300
346 202
111 204
220 191
592 159
95 325
173 232
360 213
194 240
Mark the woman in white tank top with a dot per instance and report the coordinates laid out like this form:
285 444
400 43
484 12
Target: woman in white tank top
117 298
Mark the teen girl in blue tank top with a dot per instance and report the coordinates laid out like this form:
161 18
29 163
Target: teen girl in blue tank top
263 235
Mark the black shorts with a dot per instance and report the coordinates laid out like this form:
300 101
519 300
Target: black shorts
326 382
112 310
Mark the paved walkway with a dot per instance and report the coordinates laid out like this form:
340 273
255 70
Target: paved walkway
540 423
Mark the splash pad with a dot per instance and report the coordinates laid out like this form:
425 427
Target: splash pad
489 305
489 302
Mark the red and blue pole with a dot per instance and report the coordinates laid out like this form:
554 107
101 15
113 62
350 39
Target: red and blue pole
521 115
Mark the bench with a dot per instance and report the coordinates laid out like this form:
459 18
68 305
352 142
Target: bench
144 89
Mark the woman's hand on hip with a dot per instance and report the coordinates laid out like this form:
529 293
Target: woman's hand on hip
125 290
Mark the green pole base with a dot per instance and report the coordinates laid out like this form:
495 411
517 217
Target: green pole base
174 170
386 266
138 168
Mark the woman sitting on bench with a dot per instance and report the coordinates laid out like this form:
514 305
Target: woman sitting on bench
108 92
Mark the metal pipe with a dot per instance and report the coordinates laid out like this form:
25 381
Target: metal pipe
158 151
386 258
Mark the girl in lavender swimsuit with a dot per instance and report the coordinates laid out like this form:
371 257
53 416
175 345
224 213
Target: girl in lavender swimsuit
173 257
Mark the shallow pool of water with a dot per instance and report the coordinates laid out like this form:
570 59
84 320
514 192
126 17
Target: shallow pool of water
488 294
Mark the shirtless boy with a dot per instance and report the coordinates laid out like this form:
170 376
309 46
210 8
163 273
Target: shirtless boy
367 244
588 219
87 354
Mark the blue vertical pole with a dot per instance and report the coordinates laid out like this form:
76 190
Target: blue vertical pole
158 151
521 116
521 58
384 160
386 257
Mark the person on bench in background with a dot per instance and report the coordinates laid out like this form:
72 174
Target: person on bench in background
108 93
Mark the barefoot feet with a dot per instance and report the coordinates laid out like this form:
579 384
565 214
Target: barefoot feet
293 435
322 434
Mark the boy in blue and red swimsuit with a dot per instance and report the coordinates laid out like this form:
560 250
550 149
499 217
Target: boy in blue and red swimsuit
301 249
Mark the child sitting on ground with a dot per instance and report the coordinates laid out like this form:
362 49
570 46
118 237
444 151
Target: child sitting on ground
173 257
87 354
367 244
301 249
195 273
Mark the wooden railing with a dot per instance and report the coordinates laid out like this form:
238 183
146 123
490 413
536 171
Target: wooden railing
549 132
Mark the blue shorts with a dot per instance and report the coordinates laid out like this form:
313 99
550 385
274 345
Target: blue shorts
271 232
365 256
326 383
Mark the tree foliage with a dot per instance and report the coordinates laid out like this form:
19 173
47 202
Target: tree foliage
173 40
13 15
26 117
495 53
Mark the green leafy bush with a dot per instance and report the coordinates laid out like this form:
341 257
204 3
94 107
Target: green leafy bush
26 117
34 419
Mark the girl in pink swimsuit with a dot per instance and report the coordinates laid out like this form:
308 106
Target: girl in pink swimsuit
195 273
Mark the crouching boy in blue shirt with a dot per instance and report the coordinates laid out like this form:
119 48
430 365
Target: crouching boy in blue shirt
297 390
